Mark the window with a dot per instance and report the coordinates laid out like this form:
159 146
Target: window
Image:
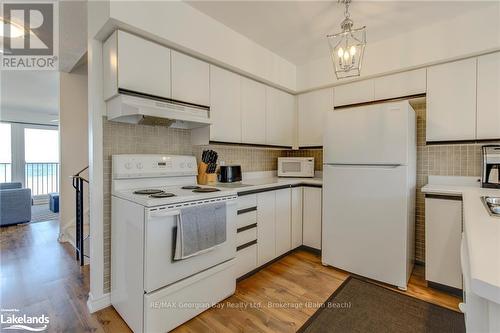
5 153
41 145
41 154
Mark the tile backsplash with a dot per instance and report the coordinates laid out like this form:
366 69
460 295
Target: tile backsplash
119 138
250 158
439 160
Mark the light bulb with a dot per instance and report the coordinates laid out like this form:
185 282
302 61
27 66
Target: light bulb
353 50
346 55
340 52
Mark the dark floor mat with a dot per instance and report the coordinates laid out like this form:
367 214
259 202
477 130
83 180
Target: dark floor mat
361 306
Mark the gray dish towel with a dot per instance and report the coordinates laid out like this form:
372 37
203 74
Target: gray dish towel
200 229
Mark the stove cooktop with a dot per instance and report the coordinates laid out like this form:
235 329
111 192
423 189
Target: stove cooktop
165 195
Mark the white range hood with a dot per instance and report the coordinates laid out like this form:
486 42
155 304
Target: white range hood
133 108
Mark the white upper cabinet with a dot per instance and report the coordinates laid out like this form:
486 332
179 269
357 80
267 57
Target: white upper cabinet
225 108
312 109
280 117
451 101
136 64
190 79
400 84
488 96
353 93
253 112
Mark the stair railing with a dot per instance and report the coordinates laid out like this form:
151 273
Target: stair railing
78 182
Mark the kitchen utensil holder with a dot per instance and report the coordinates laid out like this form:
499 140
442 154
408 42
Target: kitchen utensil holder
205 178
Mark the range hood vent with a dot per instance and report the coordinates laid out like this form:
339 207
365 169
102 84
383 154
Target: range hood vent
137 108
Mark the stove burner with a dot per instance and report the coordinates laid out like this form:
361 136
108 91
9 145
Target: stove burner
191 187
206 190
162 195
148 191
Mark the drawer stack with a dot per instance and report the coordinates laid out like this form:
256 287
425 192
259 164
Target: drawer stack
246 237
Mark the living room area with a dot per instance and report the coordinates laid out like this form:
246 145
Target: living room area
29 173
43 144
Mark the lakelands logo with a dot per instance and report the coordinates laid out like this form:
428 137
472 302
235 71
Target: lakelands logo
11 319
29 33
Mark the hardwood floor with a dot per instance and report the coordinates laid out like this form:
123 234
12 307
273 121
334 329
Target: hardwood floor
40 276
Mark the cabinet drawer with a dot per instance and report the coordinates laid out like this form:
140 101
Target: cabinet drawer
246 236
247 201
242 220
246 260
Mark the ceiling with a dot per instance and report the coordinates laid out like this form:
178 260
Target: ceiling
30 91
296 30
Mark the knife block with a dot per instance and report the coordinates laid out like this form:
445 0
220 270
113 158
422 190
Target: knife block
205 178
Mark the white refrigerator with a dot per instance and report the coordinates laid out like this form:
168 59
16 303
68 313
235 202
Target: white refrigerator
369 179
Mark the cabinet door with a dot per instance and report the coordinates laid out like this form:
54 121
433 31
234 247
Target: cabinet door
451 101
488 96
266 239
143 66
296 217
253 112
280 117
283 221
312 108
312 217
190 79
225 112
443 233
400 84
353 93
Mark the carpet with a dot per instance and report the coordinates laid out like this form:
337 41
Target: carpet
40 213
361 306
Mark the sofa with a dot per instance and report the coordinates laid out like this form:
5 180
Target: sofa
15 204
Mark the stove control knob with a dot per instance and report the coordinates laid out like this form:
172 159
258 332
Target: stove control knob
190 165
128 165
183 165
139 165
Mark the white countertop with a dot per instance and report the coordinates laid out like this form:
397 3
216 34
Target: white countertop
482 234
261 180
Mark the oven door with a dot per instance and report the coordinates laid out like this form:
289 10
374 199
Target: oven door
160 269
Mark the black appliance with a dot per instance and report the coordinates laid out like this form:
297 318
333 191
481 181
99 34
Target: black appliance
230 173
491 166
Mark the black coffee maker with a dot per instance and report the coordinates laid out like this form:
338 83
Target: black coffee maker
491 166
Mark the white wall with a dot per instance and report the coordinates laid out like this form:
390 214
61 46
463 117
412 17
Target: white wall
465 35
73 134
180 26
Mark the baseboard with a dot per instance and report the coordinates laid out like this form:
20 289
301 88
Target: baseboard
96 304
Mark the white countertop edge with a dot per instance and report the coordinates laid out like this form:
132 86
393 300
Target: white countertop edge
471 193
485 290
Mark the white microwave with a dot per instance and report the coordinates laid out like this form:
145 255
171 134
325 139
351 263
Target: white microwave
295 166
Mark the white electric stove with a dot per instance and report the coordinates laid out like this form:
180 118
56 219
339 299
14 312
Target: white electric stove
149 289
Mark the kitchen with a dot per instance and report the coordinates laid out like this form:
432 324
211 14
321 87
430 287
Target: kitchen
271 123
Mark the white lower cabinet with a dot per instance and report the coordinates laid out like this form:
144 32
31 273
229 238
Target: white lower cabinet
296 217
286 219
273 224
266 227
311 231
283 221
443 234
246 260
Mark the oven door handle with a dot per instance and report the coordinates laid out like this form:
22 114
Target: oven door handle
165 213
